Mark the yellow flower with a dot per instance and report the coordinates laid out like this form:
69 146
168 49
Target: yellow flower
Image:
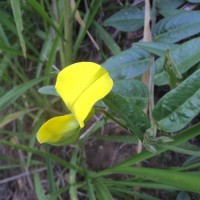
59 130
80 85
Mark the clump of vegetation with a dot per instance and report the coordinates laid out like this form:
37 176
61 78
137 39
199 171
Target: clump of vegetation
125 128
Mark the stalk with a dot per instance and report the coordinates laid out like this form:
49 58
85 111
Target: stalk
68 27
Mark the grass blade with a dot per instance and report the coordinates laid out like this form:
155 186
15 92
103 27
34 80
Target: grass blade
15 4
173 178
17 91
38 187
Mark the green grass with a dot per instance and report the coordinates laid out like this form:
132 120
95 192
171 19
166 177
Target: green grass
39 38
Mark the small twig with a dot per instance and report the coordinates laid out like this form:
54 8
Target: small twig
83 135
27 173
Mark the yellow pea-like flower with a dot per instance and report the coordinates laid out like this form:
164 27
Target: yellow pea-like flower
59 130
81 85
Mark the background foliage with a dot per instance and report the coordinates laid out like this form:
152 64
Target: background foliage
38 38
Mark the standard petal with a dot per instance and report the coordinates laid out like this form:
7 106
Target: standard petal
81 85
59 130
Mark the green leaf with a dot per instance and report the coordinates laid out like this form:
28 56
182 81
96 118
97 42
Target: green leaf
44 52
53 52
173 178
169 4
179 106
134 118
7 21
142 184
194 1
102 191
15 52
157 48
184 56
173 12
4 36
108 40
133 90
90 188
6 119
129 19
38 187
44 154
118 138
180 138
88 19
49 89
133 194
128 64
15 4
40 10
72 176
184 150
183 196
175 28
17 91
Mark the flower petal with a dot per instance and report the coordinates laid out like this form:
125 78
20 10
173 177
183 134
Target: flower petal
59 130
81 85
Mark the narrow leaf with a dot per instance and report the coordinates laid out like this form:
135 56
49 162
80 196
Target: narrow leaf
180 138
17 91
102 191
38 187
90 188
41 153
11 117
108 40
179 106
40 10
88 18
118 138
15 4
15 52
72 176
180 180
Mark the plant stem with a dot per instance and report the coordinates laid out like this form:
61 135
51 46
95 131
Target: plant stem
68 26
148 75
151 84
72 176
111 117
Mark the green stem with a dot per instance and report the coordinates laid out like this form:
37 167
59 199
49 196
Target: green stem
151 87
72 176
111 117
68 26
